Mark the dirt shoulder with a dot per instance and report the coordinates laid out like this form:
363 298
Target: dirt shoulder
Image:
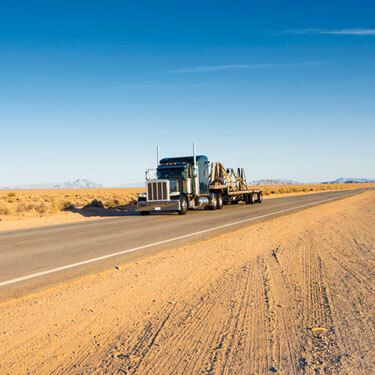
290 295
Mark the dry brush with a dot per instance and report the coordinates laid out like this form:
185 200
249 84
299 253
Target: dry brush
33 203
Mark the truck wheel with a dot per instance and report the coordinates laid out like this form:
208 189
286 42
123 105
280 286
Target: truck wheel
252 198
144 213
184 205
219 201
260 197
212 202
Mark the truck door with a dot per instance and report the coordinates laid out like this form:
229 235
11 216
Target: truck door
203 176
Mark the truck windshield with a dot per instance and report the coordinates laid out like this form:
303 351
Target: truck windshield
171 173
174 175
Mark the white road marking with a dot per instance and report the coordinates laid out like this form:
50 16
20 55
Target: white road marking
112 255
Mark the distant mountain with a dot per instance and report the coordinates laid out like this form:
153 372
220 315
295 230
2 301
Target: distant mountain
80 183
349 180
278 181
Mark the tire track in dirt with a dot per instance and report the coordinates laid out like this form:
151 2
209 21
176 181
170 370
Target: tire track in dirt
180 319
322 352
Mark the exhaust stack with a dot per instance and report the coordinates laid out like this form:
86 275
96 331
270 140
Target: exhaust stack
195 170
194 155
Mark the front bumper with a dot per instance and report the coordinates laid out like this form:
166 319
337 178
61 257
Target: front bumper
158 206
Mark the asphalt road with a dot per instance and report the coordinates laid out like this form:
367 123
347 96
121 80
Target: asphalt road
35 258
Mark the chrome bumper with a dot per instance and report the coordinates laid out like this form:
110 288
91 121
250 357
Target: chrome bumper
158 206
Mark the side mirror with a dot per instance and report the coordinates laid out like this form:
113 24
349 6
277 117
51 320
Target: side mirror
195 172
150 174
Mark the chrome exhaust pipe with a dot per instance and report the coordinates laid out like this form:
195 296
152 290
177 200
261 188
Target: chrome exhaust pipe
196 170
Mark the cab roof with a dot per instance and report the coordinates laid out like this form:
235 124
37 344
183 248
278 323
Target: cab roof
183 160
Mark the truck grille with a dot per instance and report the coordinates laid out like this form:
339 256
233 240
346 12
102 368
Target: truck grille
158 190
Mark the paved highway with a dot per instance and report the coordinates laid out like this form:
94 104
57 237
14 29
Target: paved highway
35 258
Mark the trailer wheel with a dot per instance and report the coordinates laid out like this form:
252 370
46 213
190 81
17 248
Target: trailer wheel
184 205
260 197
144 213
250 198
219 201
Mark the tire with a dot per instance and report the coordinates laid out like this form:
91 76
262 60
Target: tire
144 213
235 202
184 204
250 198
219 201
211 206
260 197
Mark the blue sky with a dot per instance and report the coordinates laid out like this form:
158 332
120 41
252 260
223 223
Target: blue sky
282 88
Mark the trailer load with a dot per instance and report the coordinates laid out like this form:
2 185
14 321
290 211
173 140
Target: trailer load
192 182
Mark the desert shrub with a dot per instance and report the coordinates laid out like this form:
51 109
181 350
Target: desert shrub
49 202
67 206
42 209
55 206
95 203
5 209
112 202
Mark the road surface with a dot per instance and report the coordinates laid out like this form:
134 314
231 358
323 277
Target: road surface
35 258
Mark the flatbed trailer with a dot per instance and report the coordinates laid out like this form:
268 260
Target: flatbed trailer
232 185
253 196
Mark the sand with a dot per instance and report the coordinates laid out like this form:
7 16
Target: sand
291 295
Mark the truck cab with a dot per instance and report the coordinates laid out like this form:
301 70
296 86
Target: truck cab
181 183
180 172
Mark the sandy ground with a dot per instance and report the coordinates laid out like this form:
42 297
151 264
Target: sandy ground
13 222
292 295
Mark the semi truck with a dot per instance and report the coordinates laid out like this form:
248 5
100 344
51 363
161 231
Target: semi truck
185 183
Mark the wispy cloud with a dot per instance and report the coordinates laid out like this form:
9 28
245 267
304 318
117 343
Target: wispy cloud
354 32
231 67
159 86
